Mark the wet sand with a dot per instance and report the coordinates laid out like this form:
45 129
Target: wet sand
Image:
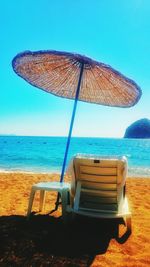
45 241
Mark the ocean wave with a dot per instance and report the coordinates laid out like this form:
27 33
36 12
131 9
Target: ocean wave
139 172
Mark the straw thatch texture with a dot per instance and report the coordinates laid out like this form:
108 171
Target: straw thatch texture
58 73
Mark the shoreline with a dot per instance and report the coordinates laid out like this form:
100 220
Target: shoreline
29 172
57 173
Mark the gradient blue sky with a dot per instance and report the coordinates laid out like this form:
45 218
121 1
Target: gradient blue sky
116 32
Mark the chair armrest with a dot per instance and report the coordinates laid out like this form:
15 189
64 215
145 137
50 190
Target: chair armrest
122 171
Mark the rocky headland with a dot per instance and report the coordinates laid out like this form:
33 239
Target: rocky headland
138 129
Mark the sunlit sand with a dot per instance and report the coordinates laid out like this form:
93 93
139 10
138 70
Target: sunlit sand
86 242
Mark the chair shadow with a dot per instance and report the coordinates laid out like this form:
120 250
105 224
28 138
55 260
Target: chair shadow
45 239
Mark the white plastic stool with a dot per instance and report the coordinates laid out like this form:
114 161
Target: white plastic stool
62 188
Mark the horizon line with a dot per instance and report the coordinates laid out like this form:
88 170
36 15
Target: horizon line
64 136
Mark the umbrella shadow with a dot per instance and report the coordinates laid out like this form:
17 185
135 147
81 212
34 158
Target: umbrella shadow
45 240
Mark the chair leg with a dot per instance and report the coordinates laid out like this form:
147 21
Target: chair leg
77 196
128 224
42 199
32 194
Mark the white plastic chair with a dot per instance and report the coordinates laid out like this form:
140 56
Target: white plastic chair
98 188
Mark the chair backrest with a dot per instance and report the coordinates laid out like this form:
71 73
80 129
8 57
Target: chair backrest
101 182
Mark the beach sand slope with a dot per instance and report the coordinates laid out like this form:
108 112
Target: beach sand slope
45 241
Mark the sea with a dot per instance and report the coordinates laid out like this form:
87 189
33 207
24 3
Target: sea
45 154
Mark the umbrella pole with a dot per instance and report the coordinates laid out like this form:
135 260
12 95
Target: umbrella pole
70 130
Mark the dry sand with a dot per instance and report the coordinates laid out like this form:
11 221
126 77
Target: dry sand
45 241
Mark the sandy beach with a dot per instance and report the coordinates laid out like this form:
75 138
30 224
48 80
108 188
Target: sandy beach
45 241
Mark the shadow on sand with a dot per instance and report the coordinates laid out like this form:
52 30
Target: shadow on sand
45 241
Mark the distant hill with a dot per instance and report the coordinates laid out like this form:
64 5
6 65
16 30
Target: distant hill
138 129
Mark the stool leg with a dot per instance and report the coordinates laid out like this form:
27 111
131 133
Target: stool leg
32 194
64 197
57 203
42 199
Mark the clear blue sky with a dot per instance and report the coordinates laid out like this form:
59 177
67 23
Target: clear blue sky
116 32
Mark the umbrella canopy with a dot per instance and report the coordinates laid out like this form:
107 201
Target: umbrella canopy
58 73
76 77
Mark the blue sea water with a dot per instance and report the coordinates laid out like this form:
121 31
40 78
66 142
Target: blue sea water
45 154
